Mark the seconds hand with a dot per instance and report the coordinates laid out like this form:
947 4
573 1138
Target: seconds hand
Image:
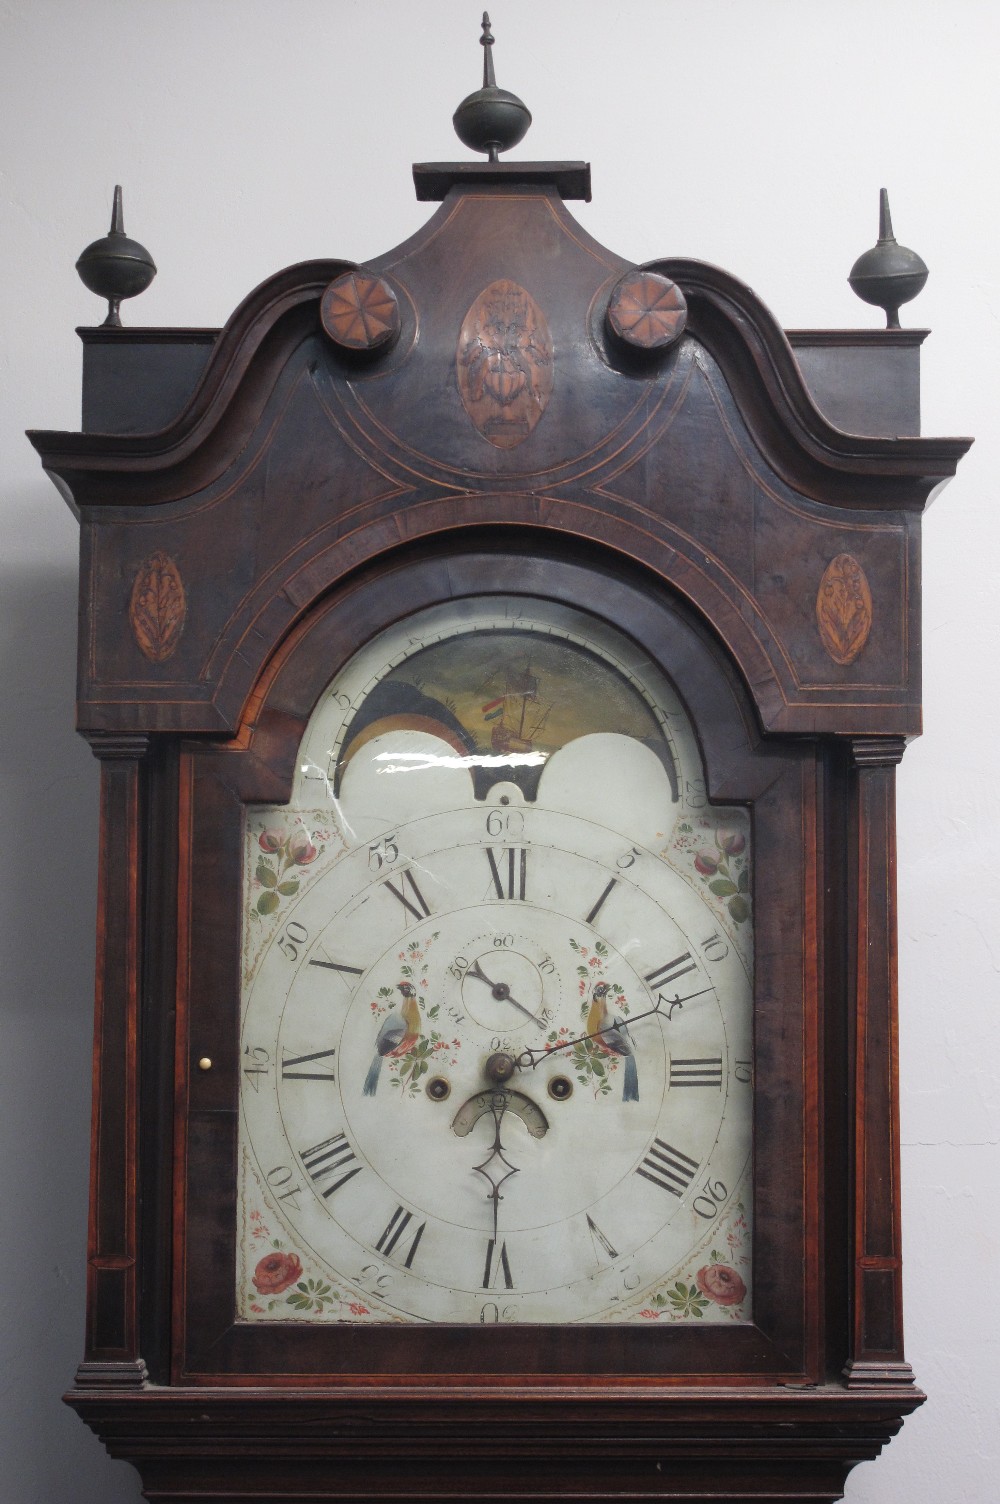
501 992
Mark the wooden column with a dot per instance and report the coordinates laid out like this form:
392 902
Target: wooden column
112 1345
876 1336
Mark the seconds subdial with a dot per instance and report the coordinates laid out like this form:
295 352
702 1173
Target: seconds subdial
507 982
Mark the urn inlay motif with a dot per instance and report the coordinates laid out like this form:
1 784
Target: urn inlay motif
505 364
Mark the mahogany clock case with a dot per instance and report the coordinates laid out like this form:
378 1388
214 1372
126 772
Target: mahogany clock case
296 500
783 786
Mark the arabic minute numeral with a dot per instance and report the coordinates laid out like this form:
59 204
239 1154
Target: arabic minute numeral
292 938
492 1314
281 1179
631 1280
504 822
710 1198
694 790
743 1071
258 1063
374 1277
383 853
715 948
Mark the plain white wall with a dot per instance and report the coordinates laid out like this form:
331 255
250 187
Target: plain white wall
250 134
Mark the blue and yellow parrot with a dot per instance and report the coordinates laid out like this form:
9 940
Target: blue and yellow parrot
397 1036
612 1038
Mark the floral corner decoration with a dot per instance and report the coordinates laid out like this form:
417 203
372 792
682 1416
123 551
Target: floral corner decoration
717 1290
275 1272
716 1282
721 861
282 851
277 1283
279 1274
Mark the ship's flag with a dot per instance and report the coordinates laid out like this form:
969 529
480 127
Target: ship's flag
493 710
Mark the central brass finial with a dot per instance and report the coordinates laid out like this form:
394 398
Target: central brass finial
491 120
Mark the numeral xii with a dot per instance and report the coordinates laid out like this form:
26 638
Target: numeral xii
509 871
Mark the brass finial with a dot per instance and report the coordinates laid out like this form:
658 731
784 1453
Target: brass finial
889 274
491 120
116 267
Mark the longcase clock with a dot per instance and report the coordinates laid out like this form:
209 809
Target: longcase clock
498 665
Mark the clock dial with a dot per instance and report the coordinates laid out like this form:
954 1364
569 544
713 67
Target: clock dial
496 1033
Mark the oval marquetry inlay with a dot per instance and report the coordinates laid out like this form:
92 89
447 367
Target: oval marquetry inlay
647 311
505 364
844 609
157 607
359 312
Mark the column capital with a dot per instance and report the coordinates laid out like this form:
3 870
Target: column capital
877 751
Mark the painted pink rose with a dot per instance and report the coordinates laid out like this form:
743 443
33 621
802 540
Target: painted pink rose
732 842
721 1284
706 861
301 849
275 1272
271 840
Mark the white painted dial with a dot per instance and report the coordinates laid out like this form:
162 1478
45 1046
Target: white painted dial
497 1053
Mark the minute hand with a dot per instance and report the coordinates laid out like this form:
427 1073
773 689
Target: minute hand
529 1058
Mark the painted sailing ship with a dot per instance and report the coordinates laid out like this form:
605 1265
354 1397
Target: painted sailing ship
517 716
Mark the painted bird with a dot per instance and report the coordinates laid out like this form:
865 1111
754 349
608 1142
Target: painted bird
611 1037
397 1036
